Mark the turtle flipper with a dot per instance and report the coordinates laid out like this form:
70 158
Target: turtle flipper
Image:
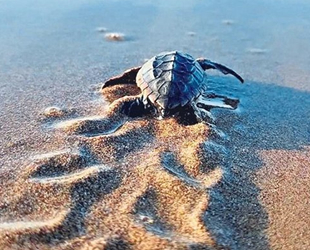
202 115
136 108
128 77
208 101
207 64
205 102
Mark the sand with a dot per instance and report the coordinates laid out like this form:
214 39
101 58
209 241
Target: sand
75 173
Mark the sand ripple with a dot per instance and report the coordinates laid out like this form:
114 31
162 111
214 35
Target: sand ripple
129 183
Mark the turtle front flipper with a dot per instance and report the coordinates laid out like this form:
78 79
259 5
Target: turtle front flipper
207 64
128 77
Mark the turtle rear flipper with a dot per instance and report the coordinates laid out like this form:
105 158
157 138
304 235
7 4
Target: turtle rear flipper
134 108
128 77
137 108
207 64
210 100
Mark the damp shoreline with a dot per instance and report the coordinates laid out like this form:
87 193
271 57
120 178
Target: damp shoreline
55 168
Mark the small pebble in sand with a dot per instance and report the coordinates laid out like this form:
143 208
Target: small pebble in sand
146 219
191 33
115 37
228 22
102 29
54 112
256 51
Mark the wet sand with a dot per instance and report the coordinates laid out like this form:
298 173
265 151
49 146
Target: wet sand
90 176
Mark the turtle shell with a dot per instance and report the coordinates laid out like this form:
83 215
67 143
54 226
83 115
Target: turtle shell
171 79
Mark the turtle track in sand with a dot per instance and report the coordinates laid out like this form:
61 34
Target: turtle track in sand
130 183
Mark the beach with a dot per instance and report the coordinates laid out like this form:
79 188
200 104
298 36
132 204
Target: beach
77 173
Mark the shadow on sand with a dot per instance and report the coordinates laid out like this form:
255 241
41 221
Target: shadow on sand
270 117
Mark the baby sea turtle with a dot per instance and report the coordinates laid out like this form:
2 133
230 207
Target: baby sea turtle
173 81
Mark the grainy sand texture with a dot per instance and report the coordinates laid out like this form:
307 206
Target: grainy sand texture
77 173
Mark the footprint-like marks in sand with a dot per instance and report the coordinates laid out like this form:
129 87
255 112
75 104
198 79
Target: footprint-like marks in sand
138 183
80 185
146 213
90 127
169 162
57 164
82 194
